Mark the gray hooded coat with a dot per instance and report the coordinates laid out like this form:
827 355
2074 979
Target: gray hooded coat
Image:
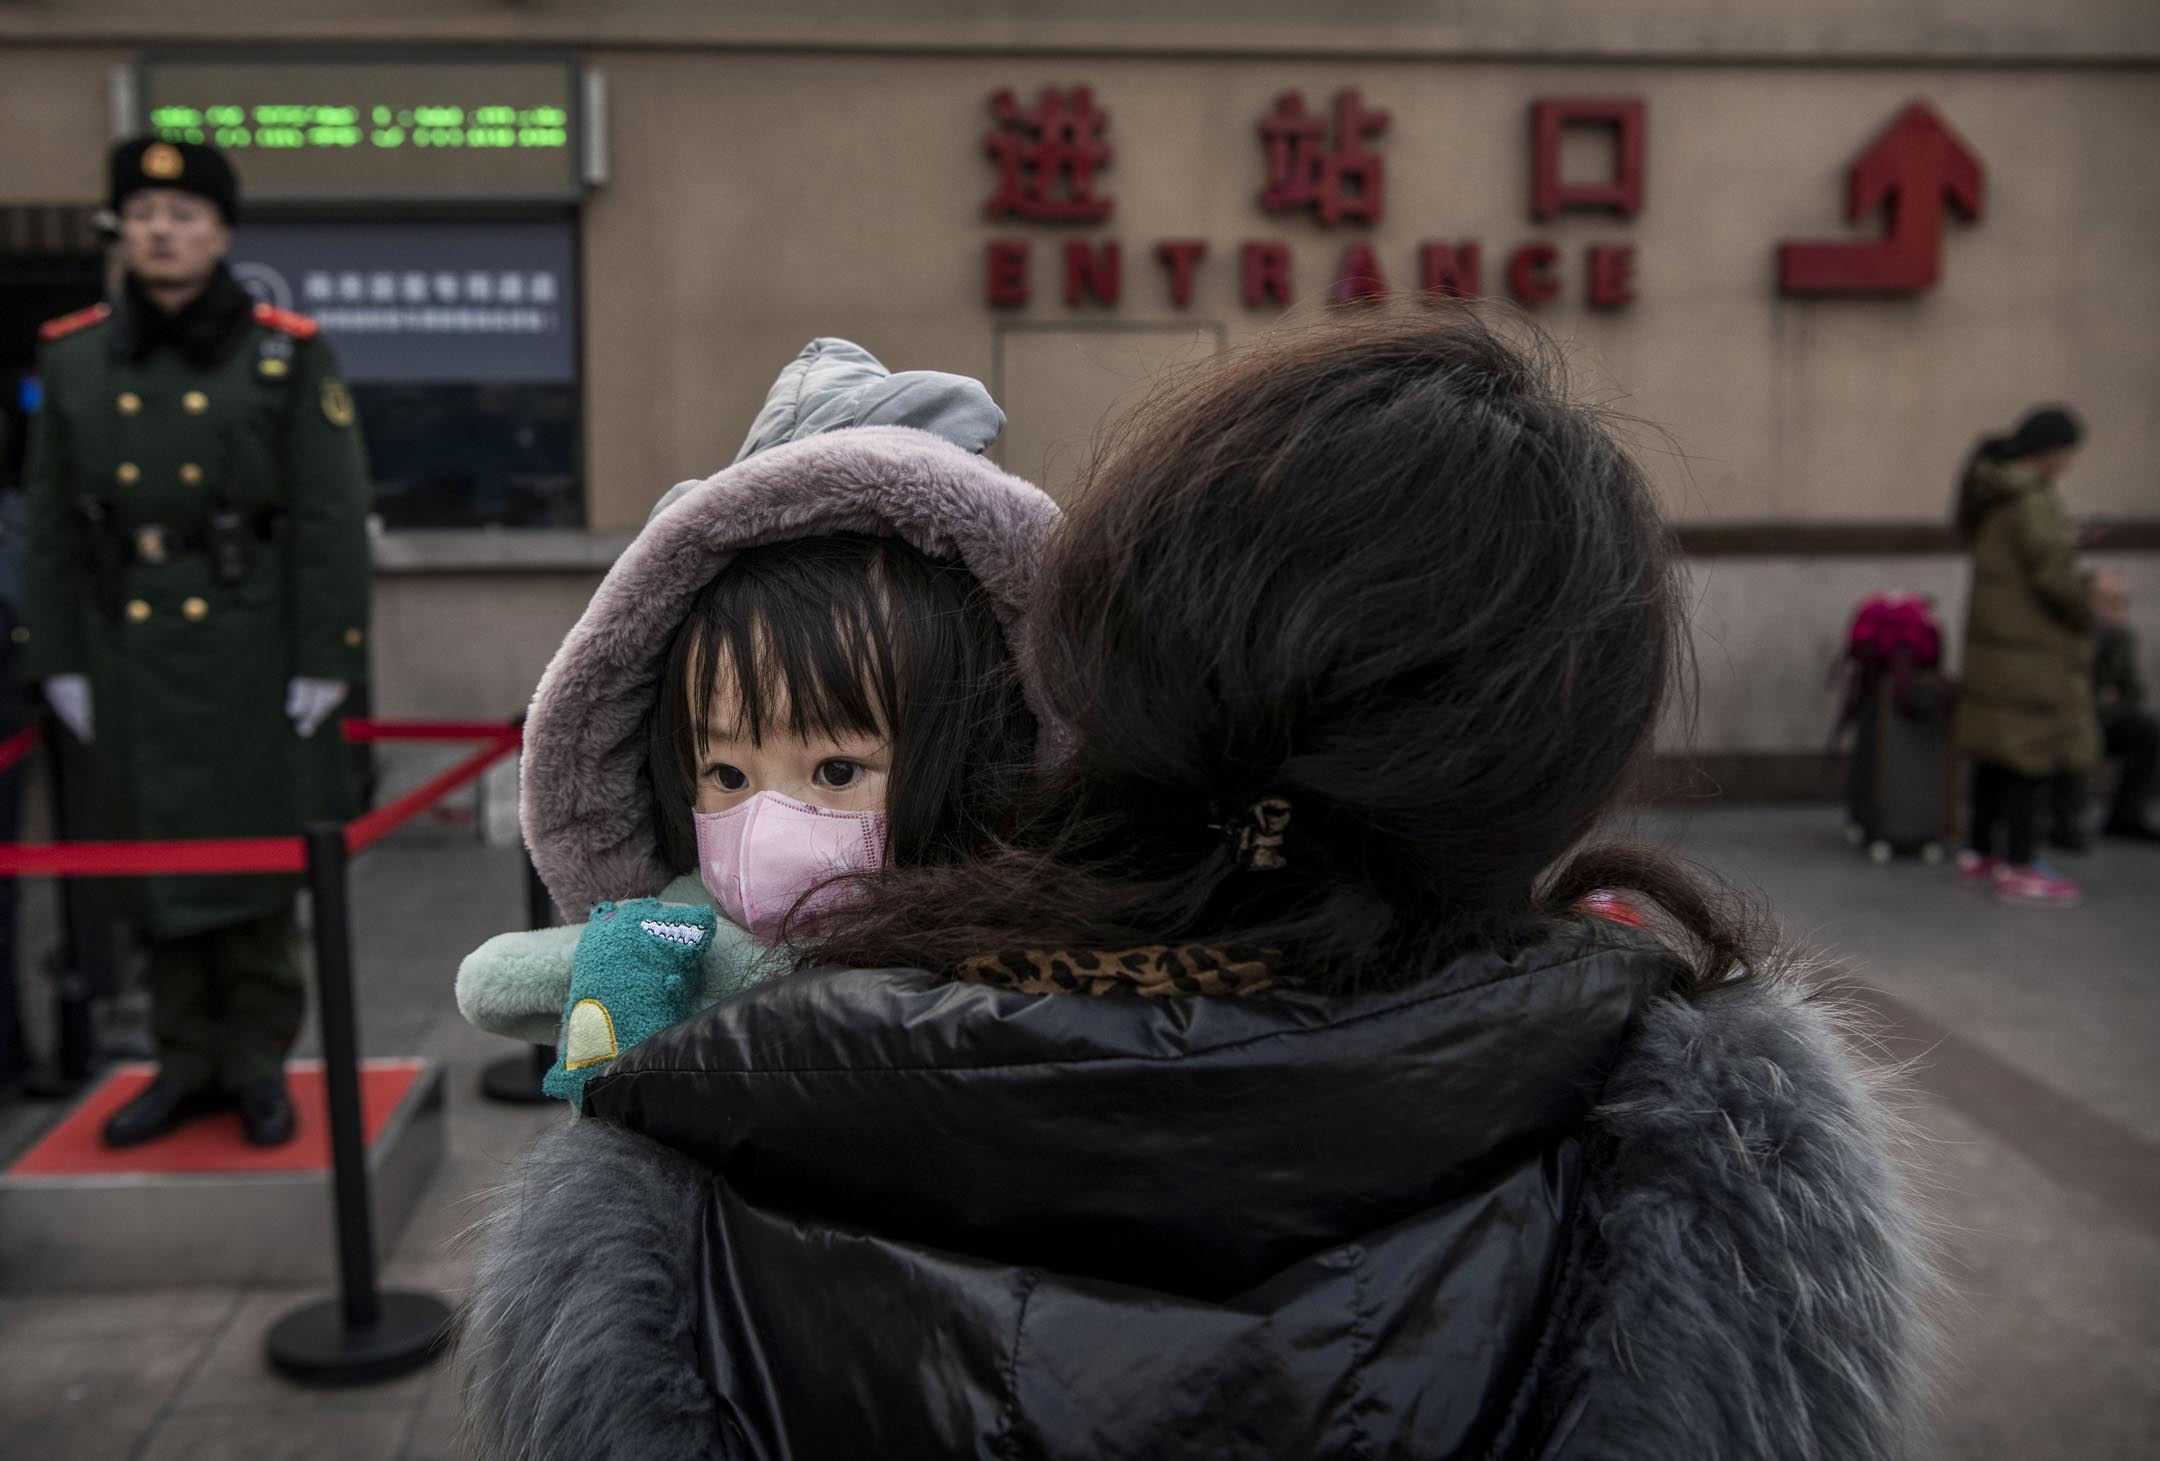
841 445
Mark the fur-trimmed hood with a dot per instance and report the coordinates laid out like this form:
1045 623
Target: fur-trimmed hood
585 795
1713 1258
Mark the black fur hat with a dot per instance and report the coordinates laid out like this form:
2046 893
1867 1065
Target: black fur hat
192 167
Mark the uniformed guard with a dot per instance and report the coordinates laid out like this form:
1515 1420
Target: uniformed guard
197 608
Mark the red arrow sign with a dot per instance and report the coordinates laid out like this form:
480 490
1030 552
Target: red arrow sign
1915 165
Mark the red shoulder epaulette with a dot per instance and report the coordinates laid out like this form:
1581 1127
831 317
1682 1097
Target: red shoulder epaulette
286 322
66 325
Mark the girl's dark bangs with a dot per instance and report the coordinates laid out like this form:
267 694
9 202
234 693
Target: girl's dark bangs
807 644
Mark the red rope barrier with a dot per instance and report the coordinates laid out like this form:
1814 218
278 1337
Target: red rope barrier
19 745
200 856
429 730
380 823
26 740
197 855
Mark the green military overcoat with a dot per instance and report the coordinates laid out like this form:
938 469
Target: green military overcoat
188 670
2026 700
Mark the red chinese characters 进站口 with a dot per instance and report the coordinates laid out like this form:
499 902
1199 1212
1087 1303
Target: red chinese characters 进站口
1047 158
1340 183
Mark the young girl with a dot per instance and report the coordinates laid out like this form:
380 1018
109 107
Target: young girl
798 672
1269 1093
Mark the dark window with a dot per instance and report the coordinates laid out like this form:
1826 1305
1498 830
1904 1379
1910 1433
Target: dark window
460 455
459 342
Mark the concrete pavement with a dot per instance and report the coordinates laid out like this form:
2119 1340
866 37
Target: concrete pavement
2032 1038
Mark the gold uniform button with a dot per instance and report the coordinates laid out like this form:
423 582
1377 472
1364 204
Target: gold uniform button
190 474
353 638
128 474
196 610
20 634
194 403
129 403
137 611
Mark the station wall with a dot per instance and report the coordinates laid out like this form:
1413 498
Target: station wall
773 176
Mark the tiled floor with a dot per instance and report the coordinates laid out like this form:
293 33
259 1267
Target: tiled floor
2033 1037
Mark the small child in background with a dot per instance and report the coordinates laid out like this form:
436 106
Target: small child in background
2129 733
797 674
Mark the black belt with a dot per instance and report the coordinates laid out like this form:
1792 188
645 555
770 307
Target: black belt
162 542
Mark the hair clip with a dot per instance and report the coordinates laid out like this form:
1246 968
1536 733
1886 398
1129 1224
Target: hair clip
1257 836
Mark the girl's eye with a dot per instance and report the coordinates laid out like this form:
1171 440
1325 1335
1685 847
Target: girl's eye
729 777
837 773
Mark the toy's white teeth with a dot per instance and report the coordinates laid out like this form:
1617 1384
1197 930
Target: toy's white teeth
689 935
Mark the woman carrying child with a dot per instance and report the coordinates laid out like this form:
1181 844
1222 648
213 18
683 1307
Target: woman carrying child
1293 1076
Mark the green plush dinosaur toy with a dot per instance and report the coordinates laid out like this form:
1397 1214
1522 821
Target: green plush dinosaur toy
635 973
516 984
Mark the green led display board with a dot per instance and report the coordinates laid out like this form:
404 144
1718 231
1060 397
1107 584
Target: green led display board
411 130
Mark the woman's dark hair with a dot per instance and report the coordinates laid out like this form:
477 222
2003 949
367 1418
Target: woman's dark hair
1382 570
2043 429
852 634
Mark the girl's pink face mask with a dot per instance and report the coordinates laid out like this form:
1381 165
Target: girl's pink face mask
758 858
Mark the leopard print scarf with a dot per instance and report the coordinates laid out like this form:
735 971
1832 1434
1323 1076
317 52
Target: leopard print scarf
1156 970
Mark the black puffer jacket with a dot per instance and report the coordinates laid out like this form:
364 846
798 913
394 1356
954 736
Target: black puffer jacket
1529 1206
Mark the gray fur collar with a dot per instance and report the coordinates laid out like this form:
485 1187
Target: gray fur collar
1762 1275
1757 1292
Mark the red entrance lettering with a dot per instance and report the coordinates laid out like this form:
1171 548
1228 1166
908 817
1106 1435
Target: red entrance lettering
1345 182
1047 157
1359 277
1006 277
1530 273
1264 274
1179 255
1622 192
1449 270
1612 276
1089 274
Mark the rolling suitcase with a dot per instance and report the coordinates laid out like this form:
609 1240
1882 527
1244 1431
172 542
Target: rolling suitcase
1902 791
1902 788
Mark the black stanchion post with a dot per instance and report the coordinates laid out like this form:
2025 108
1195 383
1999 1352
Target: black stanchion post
516 1078
363 1334
539 907
83 967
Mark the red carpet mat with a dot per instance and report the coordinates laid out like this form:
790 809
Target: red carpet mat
214 1144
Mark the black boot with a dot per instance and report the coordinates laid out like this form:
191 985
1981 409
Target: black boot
161 1109
266 1113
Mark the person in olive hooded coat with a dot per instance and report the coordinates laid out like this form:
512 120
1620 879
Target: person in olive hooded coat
197 610
1297 1083
2025 713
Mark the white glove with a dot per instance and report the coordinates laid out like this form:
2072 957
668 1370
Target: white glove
69 696
309 702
